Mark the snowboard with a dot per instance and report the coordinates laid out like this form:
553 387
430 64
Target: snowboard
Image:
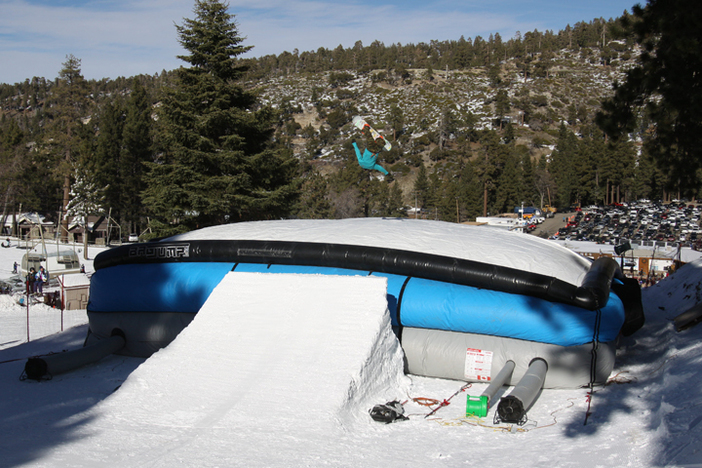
362 125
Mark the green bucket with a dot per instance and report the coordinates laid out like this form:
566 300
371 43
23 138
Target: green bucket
477 406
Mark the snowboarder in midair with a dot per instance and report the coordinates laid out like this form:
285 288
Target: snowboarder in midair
368 160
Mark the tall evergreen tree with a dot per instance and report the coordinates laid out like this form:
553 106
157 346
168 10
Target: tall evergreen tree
421 188
396 119
562 167
527 189
106 160
490 166
314 200
543 182
395 205
665 87
136 151
647 181
71 106
12 165
470 192
85 199
448 206
214 163
502 107
435 193
588 159
625 154
507 192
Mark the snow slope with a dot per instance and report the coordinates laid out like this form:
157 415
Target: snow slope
134 412
251 356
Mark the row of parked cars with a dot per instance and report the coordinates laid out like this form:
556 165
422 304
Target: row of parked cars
637 222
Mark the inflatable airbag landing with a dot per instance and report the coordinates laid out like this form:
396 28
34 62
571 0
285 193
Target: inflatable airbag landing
451 288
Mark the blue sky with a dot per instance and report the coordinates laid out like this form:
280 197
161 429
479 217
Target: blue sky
127 37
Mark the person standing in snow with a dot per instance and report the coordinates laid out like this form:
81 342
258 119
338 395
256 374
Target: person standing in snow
41 278
31 277
368 160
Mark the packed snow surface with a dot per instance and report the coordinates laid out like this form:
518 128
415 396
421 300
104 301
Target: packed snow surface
267 392
249 355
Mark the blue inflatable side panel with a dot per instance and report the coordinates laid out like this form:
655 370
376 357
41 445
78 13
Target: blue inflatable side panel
158 287
445 306
184 288
395 284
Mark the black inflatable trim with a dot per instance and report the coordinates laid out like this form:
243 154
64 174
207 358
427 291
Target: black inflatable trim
592 294
629 291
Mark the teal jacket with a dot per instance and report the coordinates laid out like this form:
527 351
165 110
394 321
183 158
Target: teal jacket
367 160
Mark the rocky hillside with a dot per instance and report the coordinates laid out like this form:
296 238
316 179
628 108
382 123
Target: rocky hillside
569 91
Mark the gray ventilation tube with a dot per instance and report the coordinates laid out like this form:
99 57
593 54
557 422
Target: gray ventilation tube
513 407
478 406
45 367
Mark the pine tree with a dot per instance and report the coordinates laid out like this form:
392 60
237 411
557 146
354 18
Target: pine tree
12 165
625 154
396 207
434 193
447 204
213 164
421 187
490 165
646 178
105 163
314 200
507 190
85 199
135 152
543 182
470 192
665 88
562 166
71 106
396 119
502 106
527 188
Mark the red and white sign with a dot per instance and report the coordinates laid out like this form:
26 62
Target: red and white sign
478 365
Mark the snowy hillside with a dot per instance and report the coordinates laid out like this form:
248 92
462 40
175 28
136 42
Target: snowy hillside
468 95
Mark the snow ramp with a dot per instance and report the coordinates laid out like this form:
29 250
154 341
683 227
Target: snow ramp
270 367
